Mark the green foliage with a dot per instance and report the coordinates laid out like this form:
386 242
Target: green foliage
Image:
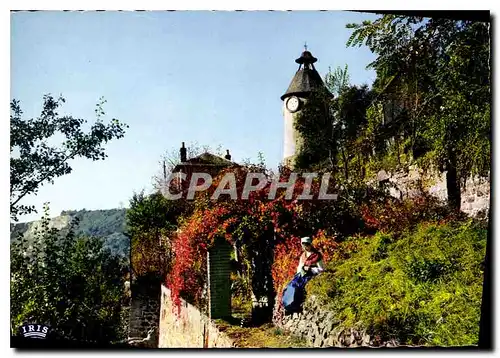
99 223
338 80
108 225
71 284
153 212
462 123
150 221
330 128
315 125
35 162
241 299
436 74
424 288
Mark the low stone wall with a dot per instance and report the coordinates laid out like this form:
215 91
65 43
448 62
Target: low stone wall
144 314
475 195
322 330
189 329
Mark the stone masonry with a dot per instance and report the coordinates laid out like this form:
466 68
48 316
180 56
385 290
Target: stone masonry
145 314
475 193
188 327
322 330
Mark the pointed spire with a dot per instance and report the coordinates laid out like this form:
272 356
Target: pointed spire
306 79
306 59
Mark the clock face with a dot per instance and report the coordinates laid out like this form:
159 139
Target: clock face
292 104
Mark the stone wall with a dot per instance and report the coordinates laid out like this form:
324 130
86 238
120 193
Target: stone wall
145 313
189 329
475 194
322 330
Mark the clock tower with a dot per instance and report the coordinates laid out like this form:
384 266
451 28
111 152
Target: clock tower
305 81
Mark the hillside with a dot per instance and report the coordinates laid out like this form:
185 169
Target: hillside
107 224
423 288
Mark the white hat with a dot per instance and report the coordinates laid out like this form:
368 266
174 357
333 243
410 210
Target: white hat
306 240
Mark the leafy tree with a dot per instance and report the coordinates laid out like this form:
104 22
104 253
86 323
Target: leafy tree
150 221
35 162
71 284
330 128
338 80
316 123
351 108
438 72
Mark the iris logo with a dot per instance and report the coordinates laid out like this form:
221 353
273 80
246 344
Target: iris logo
35 330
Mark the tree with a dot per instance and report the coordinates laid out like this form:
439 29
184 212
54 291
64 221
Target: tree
316 123
330 128
72 284
351 118
338 80
34 162
150 221
439 71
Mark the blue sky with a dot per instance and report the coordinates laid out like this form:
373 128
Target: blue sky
209 77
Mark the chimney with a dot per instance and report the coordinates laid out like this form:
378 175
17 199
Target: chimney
183 153
227 156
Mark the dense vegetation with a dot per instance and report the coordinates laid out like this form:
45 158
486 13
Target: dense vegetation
429 105
108 225
150 221
422 288
35 161
63 276
403 268
414 272
73 284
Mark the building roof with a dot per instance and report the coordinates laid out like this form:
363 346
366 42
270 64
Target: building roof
207 160
306 79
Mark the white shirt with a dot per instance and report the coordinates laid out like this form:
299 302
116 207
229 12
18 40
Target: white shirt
315 270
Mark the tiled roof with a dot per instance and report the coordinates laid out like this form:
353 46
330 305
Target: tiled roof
207 160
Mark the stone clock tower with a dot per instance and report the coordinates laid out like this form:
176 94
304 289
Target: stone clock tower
305 81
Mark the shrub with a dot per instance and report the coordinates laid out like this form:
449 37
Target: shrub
72 284
425 289
393 215
150 221
265 232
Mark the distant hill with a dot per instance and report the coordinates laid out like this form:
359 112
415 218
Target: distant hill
107 224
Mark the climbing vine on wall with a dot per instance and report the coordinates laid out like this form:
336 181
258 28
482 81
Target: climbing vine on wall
266 232
245 224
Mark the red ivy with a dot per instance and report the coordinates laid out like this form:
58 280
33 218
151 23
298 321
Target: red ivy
212 219
394 215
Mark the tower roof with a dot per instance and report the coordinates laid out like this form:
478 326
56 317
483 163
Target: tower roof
306 79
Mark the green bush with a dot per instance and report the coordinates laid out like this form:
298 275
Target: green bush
424 288
73 284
